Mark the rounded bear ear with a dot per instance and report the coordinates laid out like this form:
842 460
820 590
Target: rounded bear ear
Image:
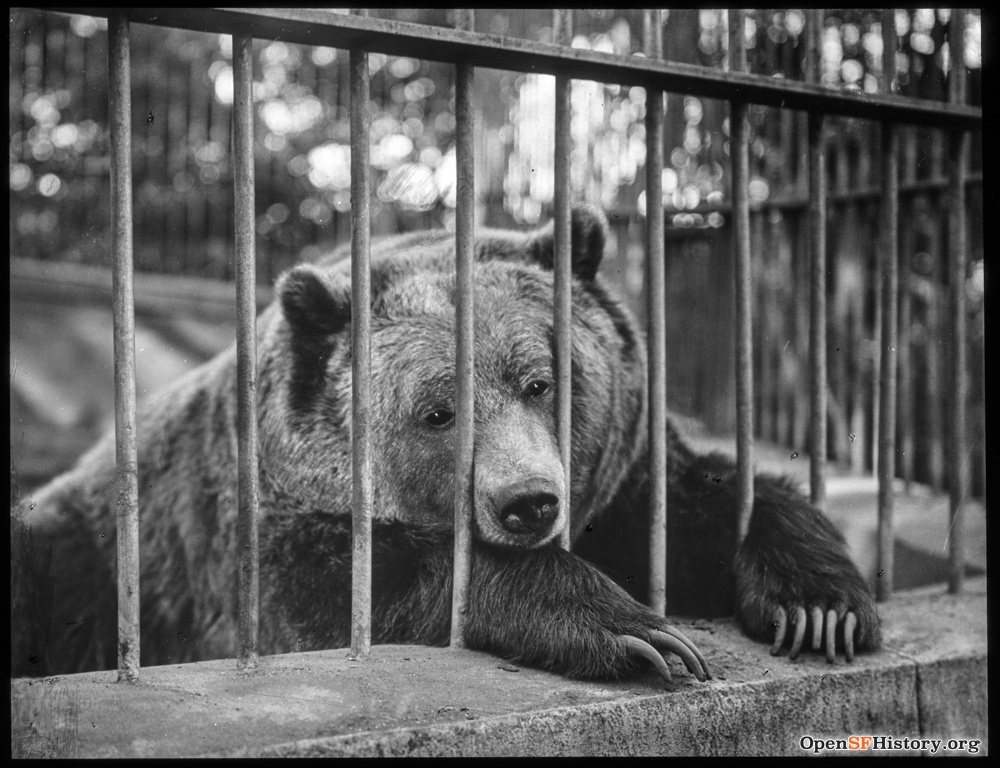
588 228
313 302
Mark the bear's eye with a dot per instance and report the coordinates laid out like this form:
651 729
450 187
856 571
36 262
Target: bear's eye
536 388
439 418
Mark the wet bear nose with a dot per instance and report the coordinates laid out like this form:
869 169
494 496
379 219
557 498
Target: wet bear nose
530 506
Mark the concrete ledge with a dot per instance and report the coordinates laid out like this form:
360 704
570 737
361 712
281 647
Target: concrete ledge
928 682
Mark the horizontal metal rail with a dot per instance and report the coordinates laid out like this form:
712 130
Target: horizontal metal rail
323 27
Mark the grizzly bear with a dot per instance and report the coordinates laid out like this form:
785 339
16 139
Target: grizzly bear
578 613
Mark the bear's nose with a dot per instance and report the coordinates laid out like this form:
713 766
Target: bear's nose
529 506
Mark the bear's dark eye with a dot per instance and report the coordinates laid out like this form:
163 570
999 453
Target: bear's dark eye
536 388
439 418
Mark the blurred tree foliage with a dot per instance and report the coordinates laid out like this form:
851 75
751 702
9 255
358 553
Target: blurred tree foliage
182 92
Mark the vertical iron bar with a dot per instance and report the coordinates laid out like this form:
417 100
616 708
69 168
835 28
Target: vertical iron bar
562 25
621 226
246 351
876 365
816 215
361 519
817 284
889 45
740 155
879 324
657 335
958 470
817 306
915 212
465 223
889 263
814 45
935 369
126 452
904 411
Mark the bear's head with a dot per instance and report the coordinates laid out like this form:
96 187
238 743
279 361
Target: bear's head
519 498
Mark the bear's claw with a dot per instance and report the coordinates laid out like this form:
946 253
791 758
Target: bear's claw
676 642
817 625
800 633
823 627
671 641
643 650
850 622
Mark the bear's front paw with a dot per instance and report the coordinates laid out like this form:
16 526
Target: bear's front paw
550 609
835 611
668 640
795 578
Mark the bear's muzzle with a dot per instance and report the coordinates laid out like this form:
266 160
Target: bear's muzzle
528 506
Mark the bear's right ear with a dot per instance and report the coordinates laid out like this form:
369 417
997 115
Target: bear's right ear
313 302
588 233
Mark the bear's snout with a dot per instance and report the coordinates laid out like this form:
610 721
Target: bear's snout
520 500
528 507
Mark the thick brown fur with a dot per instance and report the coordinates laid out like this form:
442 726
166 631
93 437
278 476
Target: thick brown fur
531 602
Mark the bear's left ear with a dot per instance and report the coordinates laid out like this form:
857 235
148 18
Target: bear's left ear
588 228
314 303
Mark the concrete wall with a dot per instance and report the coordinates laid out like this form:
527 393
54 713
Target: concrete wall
929 682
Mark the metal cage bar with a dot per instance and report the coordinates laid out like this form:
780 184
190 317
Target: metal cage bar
889 267
908 147
958 455
817 277
465 224
246 354
889 330
904 387
889 324
740 157
361 518
933 366
656 307
123 300
562 24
